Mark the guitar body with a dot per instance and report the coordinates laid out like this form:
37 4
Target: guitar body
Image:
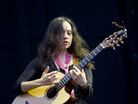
39 95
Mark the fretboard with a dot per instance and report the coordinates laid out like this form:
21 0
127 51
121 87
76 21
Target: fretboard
80 66
89 57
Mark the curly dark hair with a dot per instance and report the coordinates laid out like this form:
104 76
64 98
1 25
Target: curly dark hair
51 43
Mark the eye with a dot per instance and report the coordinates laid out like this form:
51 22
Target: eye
69 32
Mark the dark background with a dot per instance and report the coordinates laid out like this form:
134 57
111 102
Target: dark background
24 22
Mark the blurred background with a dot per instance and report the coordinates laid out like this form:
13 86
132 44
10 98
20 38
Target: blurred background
23 24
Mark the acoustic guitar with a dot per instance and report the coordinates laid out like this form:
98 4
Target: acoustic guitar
56 93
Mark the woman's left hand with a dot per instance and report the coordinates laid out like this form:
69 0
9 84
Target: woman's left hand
78 76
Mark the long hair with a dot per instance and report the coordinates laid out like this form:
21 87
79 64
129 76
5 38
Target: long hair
52 41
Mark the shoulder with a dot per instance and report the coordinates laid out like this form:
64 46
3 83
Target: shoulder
37 61
34 61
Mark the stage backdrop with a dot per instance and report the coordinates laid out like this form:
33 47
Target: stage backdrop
23 24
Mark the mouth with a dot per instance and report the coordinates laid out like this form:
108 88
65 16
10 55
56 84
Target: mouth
65 42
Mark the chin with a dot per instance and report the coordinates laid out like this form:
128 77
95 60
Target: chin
66 46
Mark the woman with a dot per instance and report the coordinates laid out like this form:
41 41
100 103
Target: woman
61 49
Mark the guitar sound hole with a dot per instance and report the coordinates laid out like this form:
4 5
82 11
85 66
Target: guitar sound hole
51 92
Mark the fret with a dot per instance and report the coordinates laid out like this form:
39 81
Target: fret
81 64
66 80
98 49
94 53
62 81
91 56
78 67
87 59
69 76
84 62
57 87
60 85
102 45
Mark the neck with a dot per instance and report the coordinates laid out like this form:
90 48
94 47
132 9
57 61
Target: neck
63 60
62 55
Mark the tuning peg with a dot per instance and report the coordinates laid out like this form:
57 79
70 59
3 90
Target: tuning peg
122 42
118 45
114 41
110 45
113 48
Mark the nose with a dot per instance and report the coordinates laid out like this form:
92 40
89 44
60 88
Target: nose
65 35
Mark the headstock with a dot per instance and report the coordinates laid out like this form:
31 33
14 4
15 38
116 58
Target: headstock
115 38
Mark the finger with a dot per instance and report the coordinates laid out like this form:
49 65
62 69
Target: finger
52 73
53 79
77 70
73 73
82 70
46 70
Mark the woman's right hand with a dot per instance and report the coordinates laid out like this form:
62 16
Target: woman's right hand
49 78
46 79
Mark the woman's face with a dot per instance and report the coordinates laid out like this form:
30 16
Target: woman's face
67 35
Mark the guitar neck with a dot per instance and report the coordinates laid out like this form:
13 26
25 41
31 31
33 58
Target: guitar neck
80 65
90 56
